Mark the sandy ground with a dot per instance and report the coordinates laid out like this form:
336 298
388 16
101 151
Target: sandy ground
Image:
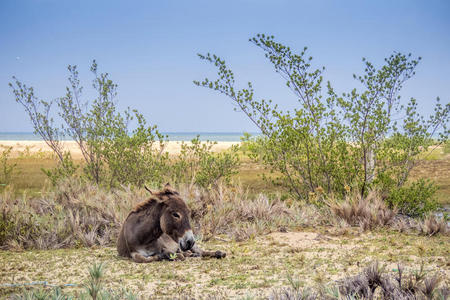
252 268
173 147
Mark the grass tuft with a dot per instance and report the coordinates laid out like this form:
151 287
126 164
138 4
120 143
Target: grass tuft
366 212
433 225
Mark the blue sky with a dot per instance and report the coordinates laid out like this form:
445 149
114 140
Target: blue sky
150 49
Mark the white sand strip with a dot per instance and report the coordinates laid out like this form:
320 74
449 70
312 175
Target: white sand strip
173 147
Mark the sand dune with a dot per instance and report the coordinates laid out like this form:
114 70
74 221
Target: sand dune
173 147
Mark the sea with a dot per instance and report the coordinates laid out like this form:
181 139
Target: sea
172 136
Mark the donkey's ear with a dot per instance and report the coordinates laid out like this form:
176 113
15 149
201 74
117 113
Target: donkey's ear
149 190
168 189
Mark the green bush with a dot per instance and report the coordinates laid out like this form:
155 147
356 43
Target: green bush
447 147
415 200
331 141
7 169
198 164
65 169
113 154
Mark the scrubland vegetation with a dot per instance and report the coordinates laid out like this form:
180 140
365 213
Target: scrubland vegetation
333 201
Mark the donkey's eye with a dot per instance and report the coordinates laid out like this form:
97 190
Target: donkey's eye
176 215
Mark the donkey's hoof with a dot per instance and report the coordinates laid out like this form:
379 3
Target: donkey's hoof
220 254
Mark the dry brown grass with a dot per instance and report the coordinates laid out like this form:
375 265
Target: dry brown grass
72 214
235 212
372 283
81 214
366 212
433 225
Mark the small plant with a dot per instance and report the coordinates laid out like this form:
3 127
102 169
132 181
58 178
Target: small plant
446 149
294 283
65 169
43 294
94 290
414 285
172 256
95 281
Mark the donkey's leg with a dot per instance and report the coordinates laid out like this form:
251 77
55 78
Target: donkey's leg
139 258
168 249
190 253
214 254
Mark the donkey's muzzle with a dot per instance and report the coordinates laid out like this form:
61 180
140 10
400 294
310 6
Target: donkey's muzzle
187 241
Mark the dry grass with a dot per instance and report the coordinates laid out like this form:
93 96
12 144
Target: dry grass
77 214
373 283
80 214
367 213
433 225
70 215
235 212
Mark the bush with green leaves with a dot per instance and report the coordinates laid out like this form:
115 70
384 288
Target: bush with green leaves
112 153
333 141
447 147
415 199
198 164
7 169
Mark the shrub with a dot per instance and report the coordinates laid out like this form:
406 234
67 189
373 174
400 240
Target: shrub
414 200
66 168
113 154
7 169
332 140
198 164
447 147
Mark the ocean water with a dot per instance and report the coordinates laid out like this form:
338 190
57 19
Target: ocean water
173 136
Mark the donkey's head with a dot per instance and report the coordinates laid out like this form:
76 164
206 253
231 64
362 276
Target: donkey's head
174 220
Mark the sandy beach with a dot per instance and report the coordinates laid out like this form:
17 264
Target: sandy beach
173 147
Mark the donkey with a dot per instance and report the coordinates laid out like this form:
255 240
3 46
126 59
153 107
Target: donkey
159 228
